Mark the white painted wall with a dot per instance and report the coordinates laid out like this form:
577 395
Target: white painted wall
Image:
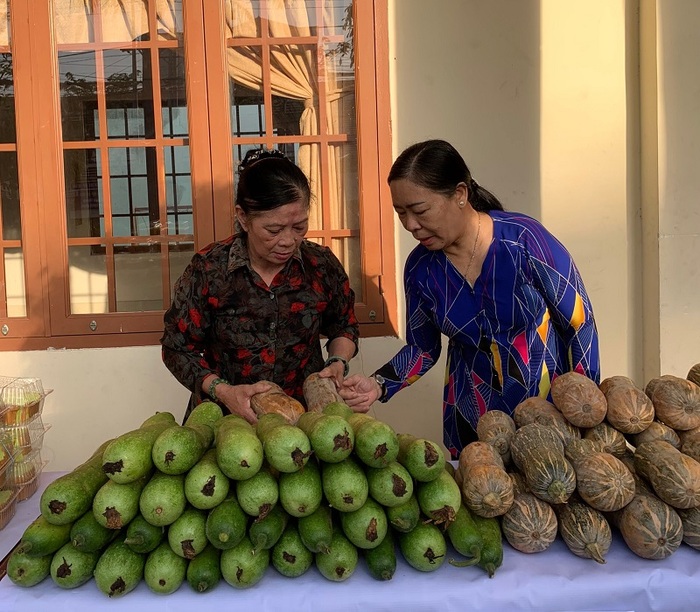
541 98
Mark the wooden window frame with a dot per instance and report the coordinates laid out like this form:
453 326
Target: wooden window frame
41 176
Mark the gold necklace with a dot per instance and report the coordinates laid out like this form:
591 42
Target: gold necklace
476 242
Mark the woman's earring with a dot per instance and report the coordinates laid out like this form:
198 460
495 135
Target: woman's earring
461 204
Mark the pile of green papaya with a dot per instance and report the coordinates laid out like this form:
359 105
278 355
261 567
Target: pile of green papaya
219 499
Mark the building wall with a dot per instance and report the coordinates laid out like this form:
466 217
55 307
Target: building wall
543 100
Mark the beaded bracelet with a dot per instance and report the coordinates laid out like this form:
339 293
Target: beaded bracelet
211 391
335 358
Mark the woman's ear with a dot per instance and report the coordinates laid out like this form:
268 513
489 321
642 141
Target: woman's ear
241 217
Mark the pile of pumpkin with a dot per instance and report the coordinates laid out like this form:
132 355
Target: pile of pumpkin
596 456
217 499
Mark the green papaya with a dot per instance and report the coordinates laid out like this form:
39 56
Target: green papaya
141 536
263 533
316 529
289 556
129 456
465 536
25 570
340 562
119 569
301 492
116 504
243 567
424 547
164 570
42 538
381 560
187 534
71 568
88 535
204 571
226 524
163 499
70 496
206 486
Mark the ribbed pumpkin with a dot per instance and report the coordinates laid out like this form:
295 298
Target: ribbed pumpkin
653 382
549 475
611 381
497 428
675 477
629 409
519 483
650 527
579 399
478 453
677 403
694 374
612 440
578 449
585 531
533 436
528 410
690 443
538 410
657 431
530 525
690 518
604 482
487 490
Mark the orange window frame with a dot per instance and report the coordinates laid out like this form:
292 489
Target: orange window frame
40 151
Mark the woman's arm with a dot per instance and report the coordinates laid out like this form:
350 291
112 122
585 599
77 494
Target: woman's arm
558 279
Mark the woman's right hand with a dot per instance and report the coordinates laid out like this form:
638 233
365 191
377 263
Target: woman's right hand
237 398
360 392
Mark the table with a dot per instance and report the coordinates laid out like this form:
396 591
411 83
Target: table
554 580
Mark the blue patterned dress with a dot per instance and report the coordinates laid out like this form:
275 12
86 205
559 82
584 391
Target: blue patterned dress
526 320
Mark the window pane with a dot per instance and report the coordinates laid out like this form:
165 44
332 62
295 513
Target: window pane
340 90
84 210
247 110
78 83
173 93
14 283
337 19
348 251
5 34
129 84
134 191
9 196
242 18
178 190
180 255
139 284
8 132
88 280
343 183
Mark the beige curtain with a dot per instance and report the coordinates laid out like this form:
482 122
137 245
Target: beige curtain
121 20
294 73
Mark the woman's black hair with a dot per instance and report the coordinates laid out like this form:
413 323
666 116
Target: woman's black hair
438 166
268 180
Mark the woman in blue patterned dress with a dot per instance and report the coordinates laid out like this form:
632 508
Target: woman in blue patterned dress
504 291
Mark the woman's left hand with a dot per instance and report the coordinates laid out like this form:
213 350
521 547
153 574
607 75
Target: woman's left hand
335 371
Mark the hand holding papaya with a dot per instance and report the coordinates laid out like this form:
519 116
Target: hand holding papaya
237 398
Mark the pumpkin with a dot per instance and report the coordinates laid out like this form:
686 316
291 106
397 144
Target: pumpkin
277 401
675 477
530 524
549 475
487 490
612 439
530 437
690 518
519 483
530 409
578 449
677 403
612 381
690 443
657 431
604 482
694 374
629 409
653 382
579 399
650 527
497 429
585 531
478 453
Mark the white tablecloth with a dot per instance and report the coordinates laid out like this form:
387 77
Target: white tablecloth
552 580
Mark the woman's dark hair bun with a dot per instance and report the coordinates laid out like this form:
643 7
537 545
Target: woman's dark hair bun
255 155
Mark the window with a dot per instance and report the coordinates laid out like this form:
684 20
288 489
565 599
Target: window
132 167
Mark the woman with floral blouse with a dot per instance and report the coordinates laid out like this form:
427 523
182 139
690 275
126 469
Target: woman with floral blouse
252 308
